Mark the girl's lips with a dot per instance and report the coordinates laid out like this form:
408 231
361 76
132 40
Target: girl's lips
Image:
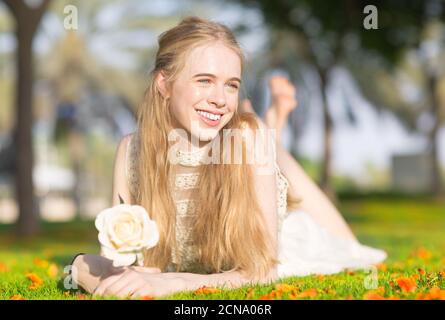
209 122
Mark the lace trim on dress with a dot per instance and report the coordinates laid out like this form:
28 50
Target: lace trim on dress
185 207
191 158
185 181
131 164
282 186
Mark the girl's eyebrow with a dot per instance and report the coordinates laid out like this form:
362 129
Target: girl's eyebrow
213 76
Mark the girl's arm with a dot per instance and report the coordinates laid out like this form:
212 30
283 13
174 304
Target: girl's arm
120 181
89 270
138 282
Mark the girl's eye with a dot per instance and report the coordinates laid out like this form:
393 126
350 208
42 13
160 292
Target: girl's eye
205 81
233 85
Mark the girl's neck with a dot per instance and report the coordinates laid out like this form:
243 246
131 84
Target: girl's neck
192 144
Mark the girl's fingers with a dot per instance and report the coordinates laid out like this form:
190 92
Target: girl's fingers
144 291
104 284
128 290
146 269
115 287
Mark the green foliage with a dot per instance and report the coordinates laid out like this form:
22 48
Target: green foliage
396 223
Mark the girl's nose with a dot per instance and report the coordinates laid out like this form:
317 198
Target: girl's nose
218 97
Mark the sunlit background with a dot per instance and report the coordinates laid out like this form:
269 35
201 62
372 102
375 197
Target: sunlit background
371 102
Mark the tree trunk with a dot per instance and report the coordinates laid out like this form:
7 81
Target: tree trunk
26 19
326 170
28 222
433 137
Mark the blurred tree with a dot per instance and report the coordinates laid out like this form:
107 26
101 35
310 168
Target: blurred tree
318 28
414 89
329 32
27 18
75 70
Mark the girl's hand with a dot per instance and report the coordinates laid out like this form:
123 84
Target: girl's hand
139 281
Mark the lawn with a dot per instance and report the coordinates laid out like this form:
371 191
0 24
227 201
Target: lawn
411 230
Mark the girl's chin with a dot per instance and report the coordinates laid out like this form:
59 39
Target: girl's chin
208 135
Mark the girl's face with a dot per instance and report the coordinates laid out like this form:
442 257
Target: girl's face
204 96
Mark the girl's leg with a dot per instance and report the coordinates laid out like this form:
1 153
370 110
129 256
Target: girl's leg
313 200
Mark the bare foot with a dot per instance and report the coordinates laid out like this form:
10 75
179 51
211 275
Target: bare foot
246 106
283 102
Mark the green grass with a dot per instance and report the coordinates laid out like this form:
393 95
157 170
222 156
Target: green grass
397 224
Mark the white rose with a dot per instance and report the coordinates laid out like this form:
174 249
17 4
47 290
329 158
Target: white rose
124 231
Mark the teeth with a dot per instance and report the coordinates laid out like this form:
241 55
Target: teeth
209 115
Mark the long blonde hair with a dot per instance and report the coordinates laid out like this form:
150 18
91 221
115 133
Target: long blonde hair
230 230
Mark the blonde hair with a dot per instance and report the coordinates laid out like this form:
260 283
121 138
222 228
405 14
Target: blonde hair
230 230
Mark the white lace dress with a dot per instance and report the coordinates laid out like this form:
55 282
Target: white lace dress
305 247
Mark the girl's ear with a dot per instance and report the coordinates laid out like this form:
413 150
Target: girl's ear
162 85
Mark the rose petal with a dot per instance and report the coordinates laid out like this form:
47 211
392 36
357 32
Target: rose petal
104 240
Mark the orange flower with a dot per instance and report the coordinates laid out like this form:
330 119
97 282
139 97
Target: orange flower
40 263
372 295
293 296
308 293
207 290
422 253
250 293
437 293
380 290
53 270
147 298
442 274
329 291
274 294
382 267
17 297
407 284
81 296
376 294
434 294
35 279
3 267
283 287
421 271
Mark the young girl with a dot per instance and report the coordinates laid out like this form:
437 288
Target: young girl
220 224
